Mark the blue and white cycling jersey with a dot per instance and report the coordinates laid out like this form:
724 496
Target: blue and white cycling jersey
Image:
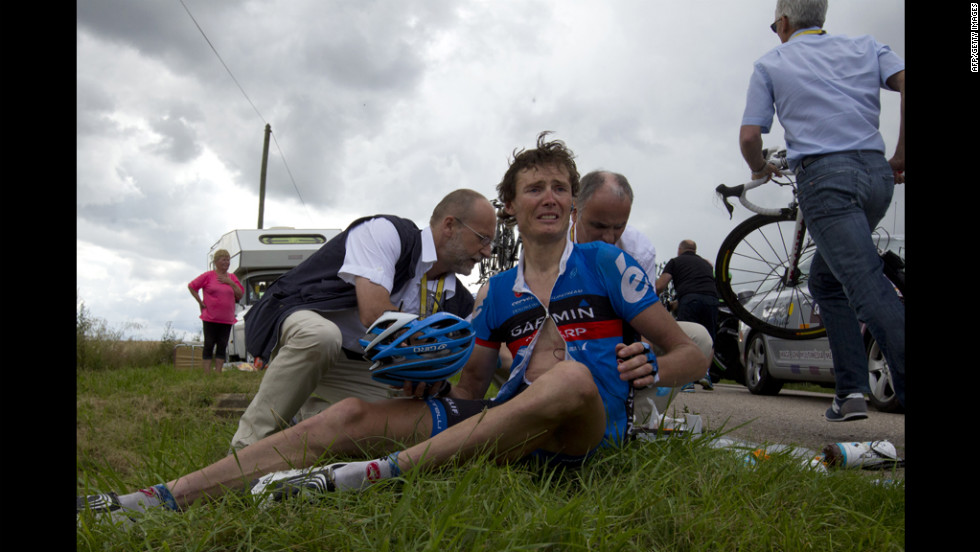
599 290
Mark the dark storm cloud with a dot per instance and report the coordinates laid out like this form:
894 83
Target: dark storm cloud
385 106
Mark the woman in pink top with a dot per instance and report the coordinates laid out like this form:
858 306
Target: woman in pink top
221 290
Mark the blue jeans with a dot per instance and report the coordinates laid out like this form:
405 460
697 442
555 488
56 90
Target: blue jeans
843 197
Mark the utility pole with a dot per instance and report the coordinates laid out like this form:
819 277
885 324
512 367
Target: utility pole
265 162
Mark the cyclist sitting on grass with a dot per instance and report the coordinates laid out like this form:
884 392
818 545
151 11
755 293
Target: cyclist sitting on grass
561 311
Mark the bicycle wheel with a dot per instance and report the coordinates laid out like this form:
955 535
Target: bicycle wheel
753 276
503 253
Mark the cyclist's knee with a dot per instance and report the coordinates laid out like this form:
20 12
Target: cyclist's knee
570 383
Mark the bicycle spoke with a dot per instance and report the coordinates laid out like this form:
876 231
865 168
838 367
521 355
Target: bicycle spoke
770 295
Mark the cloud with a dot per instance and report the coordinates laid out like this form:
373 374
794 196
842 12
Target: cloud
385 106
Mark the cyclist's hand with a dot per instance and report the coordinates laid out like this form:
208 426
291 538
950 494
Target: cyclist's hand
633 365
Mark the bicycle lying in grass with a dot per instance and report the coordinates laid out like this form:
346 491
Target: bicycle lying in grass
761 270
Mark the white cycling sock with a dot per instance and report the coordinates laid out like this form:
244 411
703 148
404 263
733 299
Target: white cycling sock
144 499
359 475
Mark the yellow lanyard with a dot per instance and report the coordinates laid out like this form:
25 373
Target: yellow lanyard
424 296
813 31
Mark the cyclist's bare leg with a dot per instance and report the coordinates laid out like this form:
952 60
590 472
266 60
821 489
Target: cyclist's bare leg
560 412
350 427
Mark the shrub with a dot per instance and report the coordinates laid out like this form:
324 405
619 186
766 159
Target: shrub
101 347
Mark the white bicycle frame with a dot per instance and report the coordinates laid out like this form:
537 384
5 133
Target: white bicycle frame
776 158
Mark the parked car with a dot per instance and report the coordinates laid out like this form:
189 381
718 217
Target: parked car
769 362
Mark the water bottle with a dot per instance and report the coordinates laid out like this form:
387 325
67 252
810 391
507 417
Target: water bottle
869 454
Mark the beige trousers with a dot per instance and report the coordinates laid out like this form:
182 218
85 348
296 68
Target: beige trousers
647 404
307 373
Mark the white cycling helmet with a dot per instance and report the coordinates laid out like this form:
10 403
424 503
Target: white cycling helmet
404 347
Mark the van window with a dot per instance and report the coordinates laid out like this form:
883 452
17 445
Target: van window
292 239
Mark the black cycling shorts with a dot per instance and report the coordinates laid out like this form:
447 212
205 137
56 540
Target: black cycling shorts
447 412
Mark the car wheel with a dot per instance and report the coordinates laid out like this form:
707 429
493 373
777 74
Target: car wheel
882 395
757 377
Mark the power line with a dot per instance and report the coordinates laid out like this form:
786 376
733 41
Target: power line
213 49
291 179
249 100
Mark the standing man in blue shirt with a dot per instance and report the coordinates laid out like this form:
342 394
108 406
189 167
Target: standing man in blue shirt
825 90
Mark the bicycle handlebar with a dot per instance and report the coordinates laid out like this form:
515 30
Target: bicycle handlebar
772 157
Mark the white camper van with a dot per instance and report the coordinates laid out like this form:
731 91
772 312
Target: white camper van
258 258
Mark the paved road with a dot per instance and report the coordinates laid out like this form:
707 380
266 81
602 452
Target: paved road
791 417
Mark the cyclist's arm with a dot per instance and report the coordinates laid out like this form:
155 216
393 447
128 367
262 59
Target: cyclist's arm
476 376
681 360
897 82
478 371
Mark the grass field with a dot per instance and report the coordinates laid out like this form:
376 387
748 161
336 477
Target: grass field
141 426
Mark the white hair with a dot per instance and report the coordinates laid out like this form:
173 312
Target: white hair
802 13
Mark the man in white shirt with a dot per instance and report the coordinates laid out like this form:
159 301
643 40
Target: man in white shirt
602 210
601 213
309 321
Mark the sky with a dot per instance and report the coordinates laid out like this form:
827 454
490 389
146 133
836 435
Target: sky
385 106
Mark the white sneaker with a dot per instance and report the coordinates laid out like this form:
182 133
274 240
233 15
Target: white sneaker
107 503
278 486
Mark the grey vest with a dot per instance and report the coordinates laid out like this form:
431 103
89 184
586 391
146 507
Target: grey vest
314 285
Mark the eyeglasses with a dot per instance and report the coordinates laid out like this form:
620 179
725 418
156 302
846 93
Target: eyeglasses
774 23
484 240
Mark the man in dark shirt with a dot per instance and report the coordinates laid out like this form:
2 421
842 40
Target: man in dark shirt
694 283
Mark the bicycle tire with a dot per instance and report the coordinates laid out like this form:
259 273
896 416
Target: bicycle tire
503 253
753 262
